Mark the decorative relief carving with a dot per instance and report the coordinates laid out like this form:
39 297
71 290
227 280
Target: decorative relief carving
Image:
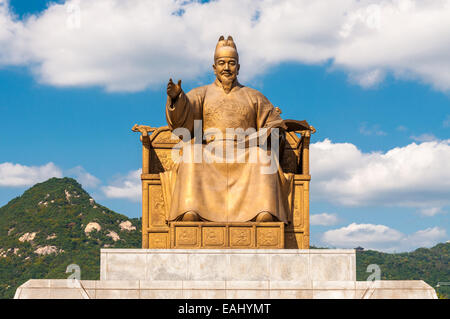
267 236
213 236
161 160
298 206
157 210
240 236
186 236
226 235
305 242
165 137
299 239
158 240
226 112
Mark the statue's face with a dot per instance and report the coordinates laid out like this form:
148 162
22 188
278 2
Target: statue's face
226 69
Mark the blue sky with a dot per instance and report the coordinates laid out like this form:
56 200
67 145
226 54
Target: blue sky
82 123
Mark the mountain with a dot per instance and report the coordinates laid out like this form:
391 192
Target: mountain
431 265
54 224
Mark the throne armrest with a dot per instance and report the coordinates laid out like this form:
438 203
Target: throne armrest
296 151
157 143
298 126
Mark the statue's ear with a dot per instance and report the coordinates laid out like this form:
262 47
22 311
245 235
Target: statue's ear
238 68
214 68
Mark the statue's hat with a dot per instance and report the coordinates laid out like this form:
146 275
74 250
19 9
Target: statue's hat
226 48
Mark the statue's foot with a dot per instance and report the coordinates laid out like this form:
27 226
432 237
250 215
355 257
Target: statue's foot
190 217
264 217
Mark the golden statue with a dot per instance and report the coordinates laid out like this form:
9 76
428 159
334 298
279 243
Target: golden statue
227 172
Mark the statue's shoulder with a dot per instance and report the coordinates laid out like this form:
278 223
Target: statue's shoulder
253 92
250 90
201 90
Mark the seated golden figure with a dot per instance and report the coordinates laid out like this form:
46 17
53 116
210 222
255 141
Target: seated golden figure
238 171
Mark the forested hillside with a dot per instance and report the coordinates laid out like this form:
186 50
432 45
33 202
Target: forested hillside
55 224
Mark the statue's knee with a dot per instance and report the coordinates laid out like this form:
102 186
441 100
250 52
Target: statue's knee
190 217
264 217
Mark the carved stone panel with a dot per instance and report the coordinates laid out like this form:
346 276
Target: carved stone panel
241 237
298 206
226 235
186 236
161 160
305 241
299 237
268 237
214 236
156 203
158 240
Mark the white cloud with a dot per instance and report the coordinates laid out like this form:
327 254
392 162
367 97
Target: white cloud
83 177
361 234
416 175
131 45
431 211
371 130
381 237
128 187
16 175
368 79
427 237
426 137
323 219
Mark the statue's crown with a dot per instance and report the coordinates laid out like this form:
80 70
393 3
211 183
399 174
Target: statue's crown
228 43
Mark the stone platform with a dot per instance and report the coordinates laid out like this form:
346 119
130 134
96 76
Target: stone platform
177 289
226 274
228 264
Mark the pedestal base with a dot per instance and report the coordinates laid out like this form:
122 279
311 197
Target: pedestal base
174 289
226 274
228 264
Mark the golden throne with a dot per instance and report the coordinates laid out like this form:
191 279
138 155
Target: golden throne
157 232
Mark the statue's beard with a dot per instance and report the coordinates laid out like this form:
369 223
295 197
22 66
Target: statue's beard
227 82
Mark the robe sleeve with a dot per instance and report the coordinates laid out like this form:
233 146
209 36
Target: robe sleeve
267 116
186 108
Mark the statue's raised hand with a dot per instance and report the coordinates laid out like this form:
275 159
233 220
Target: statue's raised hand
173 90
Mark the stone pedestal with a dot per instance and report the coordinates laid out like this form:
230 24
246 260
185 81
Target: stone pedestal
178 289
230 265
226 274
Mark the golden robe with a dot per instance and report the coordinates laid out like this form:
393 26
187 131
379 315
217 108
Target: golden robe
224 192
